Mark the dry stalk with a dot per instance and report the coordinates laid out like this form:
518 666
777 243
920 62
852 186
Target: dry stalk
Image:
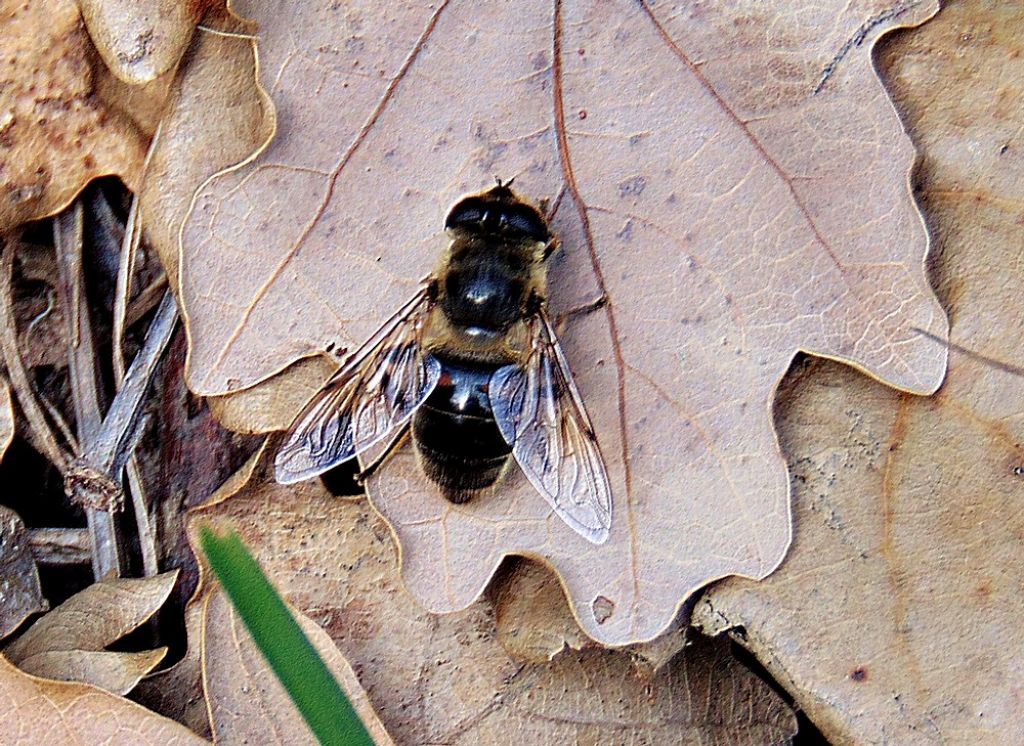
60 546
98 494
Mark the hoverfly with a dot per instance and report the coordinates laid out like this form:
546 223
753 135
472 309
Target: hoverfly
472 366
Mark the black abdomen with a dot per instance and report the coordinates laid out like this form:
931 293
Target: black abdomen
460 446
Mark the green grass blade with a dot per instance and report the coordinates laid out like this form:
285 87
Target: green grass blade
301 670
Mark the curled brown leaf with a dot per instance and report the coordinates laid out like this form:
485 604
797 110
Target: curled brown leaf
68 643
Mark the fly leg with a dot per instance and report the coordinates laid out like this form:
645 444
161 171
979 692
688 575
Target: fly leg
392 446
565 317
535 303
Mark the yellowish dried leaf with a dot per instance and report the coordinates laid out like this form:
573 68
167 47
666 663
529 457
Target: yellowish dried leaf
259 409
68 643
38 711
732 180
115 672
218 117
897 616
96 617
447 679
247 702
55 133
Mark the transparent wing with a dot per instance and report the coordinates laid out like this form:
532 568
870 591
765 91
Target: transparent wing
541 415
373 395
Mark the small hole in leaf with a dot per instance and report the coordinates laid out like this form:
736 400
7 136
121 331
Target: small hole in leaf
603 609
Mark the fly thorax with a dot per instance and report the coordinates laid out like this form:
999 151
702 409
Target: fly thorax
484 296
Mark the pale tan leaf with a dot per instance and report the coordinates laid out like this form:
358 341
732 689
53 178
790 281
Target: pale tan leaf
20 594
39 711
258 409
95 617
733 180
68 643
55 133
140 40
115 672
247 702
447 679
218 118
897 617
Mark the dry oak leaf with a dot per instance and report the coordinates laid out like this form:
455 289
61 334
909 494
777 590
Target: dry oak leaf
247 702
447 679
41 711
216 118
69 642
896 617
20 593
732 180
56 133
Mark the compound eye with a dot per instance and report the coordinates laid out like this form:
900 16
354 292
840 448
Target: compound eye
467 212
529 223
